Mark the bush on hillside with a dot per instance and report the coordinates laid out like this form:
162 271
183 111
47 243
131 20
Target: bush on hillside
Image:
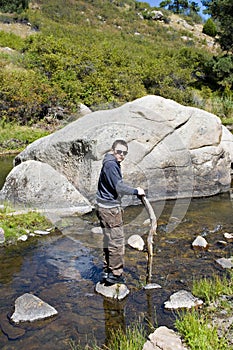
26 96
209 28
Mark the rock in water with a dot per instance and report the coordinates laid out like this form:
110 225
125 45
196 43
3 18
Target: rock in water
225 263
149 286
30 308
116 291
200 243
136 242
182 299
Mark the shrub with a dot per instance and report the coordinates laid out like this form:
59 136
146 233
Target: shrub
209 28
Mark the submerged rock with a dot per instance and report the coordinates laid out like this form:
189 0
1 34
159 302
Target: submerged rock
97 230
164 338
30 308
182 299
12 332
116 291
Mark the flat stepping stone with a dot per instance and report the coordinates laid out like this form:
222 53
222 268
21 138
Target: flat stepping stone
225 263
116 291
30 308
182 300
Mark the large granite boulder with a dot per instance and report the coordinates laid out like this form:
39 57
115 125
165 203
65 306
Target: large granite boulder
174 151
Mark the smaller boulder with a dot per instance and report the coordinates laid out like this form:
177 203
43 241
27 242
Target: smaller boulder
200 243
136 242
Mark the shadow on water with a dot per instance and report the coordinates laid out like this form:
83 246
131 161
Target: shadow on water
62 269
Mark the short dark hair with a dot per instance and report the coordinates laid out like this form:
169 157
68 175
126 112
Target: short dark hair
121 142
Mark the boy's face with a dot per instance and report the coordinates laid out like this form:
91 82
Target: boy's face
120 152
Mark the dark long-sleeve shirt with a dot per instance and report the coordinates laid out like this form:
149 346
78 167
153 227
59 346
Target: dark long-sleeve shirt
111 186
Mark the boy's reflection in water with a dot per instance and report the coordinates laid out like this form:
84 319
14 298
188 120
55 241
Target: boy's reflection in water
114 318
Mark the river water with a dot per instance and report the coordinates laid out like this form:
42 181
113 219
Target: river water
63 268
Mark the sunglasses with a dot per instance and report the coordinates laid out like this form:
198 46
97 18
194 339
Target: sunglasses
118 151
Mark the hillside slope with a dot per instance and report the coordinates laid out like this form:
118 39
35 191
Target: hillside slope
100 53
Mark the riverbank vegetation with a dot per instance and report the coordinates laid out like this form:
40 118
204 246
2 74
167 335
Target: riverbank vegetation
15 224
69 57
211 327
14 137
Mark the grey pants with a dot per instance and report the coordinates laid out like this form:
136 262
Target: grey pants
114 241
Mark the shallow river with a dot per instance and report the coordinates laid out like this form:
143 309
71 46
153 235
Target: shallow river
62 269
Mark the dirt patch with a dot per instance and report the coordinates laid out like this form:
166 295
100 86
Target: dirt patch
22 30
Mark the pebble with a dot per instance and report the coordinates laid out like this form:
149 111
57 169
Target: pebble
152 286
40 232
22 238
97 230
200 243
136 242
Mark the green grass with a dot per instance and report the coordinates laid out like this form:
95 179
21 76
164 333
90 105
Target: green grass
15 138
196 327
199 334
133 339
210 289
15 226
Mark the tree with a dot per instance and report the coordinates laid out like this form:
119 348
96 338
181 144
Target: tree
180 6
13 5
221 11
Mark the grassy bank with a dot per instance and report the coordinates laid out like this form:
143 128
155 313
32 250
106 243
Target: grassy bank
211 327
15 225
14 138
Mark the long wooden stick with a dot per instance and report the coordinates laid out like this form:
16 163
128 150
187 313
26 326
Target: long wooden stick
151 234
